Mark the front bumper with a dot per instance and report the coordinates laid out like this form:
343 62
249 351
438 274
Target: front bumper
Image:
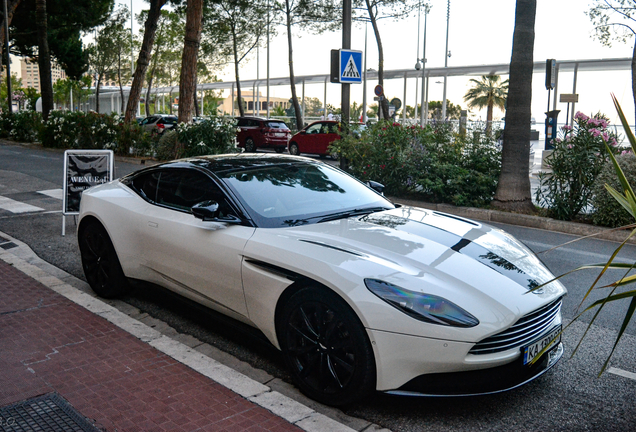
480 382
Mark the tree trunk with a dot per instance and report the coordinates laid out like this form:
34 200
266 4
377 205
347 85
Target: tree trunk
147 105
197 112
11 7
144 58
292 79
239 97
384 102
44 59
98 86
513 190
489 111
188 79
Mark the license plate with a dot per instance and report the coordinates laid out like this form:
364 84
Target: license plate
280 134
531 351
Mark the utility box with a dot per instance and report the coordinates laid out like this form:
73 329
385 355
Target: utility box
551 128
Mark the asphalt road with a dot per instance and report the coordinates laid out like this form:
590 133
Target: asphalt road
570 397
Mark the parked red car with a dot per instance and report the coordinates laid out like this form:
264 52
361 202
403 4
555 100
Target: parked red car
259 132
315 138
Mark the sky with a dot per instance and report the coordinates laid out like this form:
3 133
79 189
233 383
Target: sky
480 32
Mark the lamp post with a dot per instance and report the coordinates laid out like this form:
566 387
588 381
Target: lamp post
364 82
424 108
6 47
446 56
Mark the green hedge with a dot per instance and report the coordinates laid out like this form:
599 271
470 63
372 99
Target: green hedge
433 162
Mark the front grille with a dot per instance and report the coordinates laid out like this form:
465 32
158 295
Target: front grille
525 330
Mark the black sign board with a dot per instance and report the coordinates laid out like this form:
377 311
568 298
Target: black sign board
83 169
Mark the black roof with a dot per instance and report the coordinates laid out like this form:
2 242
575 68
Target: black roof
221 164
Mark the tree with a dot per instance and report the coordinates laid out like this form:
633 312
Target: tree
143 60
513 190
316 16
188 79
381 9
122 46
452 111
44 59
11 7
67 20
243 22
489 92
103 55
622 14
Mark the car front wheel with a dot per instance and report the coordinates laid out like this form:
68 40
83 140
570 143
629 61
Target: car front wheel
326 347
293 149
100 263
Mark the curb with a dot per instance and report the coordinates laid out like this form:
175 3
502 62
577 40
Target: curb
524 220
21 257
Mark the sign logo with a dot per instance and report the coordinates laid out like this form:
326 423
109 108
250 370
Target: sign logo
350 66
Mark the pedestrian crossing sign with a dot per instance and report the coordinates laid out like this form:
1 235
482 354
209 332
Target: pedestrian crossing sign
350 66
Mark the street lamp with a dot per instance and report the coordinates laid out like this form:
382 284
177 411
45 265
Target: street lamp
424 108
446 56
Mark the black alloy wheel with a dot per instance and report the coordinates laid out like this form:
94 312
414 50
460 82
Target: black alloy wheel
293 149
100 263
249 145
326 347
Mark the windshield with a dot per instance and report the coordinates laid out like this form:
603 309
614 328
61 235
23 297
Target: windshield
276 125
297 194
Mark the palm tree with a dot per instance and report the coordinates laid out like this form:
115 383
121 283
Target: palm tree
513 190
488 93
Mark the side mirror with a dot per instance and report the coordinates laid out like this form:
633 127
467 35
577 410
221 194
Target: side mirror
206 210
378 187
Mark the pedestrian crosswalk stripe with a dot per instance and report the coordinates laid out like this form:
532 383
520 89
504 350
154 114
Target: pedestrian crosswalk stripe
17 206
53 193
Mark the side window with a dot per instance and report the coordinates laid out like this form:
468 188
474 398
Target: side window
242 122
146 185
182 188
314 129
254 123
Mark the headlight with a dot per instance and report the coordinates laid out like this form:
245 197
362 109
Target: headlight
424 307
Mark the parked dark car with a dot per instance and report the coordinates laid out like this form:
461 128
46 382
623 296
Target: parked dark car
158 123
315 138
259 132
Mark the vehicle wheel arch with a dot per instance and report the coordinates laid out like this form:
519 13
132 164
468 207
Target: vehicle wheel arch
370 382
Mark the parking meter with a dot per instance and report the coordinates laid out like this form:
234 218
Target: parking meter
551 128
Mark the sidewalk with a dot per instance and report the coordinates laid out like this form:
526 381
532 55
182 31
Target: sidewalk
117 373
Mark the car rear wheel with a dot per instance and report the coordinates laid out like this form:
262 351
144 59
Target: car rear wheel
279 149
326 347
249 145
293 149
100 263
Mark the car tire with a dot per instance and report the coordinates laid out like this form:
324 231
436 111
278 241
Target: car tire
279 149
100 263
326 347
249 145
293 149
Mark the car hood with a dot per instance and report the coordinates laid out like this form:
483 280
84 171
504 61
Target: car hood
480 268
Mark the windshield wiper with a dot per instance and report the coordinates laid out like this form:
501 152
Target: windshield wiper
349 213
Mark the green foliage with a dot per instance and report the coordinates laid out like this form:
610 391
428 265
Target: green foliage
214 136
452 111
432 162
607 211
79 130
576 161
23 126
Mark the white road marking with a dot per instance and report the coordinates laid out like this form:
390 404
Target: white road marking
623 373
17 206
53 193
565 249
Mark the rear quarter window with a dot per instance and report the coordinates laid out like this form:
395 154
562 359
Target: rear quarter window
276 125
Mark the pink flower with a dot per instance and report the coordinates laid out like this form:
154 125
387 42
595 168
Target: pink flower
570 146
594 122
566 128
604 123
595 132
580 116
624 152
605 136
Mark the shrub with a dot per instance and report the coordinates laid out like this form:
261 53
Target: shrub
22 126
576 161
214 136
607 211
79 130
433 161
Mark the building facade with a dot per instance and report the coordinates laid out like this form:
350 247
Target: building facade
30 73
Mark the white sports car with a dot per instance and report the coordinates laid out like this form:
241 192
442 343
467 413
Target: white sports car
360 294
